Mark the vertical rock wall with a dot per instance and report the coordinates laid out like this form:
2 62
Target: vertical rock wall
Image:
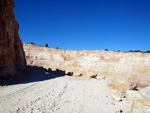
133 65
12 57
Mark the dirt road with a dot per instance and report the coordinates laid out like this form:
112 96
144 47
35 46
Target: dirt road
45 92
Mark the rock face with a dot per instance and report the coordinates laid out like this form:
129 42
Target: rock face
12 57
120 83
134 66
140 100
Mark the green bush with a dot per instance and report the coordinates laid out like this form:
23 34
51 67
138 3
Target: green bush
46 45
32 43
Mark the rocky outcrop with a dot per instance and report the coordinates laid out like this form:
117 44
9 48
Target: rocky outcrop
120 83
12 57
140 100
134 66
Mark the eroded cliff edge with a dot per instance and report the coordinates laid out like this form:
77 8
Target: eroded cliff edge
12 56
135 66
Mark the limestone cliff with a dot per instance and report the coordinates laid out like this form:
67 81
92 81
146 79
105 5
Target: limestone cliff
12 57
135 66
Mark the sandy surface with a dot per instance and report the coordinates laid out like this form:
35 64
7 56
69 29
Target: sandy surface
45 92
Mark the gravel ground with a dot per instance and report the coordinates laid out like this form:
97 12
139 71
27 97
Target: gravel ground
45 92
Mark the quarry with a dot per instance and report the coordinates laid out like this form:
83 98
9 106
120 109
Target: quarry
37 79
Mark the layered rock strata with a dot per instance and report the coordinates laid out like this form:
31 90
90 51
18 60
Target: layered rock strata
12 57
89 63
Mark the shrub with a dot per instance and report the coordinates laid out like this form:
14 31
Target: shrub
137 51
148 51
46 45
32 43
106 49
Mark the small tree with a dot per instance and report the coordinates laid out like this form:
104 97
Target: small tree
56 47
137 51
46 45
32 43
131 50
106 49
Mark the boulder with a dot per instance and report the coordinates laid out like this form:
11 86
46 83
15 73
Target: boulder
140 100
89 74
132 95
77 74
120 83
100 77
141 106
146 91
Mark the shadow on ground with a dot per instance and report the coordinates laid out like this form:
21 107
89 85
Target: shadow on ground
33 74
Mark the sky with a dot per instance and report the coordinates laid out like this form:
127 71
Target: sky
85 24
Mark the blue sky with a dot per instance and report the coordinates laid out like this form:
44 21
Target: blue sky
85 24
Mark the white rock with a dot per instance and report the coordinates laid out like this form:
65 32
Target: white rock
132 95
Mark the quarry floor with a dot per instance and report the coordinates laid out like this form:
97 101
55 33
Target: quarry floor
45 92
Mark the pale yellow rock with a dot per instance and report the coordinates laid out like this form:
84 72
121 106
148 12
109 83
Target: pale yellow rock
120 83
132 95
77 74
141 106
90 74
140 99
100 77
113 103
146 92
